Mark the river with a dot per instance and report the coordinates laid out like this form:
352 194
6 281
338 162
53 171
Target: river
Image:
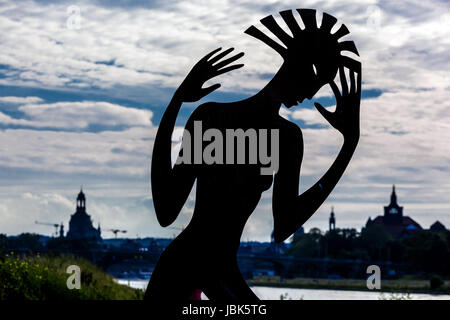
268 293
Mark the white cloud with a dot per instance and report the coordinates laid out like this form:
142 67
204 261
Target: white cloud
405 131
20 100
405 48
77 115
48 198
309 116
123 153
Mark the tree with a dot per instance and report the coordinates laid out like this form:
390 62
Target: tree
344 244
25 241
307 245
428 252
3 242
375 239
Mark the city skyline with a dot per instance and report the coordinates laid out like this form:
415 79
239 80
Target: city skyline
179 229
83 88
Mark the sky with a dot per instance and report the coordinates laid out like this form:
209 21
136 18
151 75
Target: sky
83 86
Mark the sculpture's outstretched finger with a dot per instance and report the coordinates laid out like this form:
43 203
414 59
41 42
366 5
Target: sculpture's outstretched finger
229 60
220 55
209 55
228 69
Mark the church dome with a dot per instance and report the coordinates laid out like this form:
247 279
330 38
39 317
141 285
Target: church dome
80 224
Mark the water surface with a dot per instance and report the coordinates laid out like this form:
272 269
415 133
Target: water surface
269 293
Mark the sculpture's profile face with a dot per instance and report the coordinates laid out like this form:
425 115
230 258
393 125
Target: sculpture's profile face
308 67
302 80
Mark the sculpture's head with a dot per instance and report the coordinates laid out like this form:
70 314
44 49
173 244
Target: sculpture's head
311 55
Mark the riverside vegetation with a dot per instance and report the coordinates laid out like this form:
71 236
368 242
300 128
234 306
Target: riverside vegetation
38 277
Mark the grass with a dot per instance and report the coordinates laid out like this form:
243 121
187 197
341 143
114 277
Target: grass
44 278
401 285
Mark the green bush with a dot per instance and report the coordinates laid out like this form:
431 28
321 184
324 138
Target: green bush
44 278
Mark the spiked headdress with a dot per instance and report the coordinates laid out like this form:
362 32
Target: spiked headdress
316 45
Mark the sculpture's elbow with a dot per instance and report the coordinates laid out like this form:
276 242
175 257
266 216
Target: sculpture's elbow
164 215
164 223
164 220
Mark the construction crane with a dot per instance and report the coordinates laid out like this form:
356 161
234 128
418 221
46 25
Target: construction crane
55 225
116 231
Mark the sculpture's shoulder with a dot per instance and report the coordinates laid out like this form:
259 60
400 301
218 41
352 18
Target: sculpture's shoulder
204 111
219 115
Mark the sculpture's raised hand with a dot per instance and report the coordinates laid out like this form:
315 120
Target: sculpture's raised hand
345 118
207 68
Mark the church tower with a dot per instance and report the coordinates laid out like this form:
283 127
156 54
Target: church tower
393 213
81 202
397 224
80 225
332 220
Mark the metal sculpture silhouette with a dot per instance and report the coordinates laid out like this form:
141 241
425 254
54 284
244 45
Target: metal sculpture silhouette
203 256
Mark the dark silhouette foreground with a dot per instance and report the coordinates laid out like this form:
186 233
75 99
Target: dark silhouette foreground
203 256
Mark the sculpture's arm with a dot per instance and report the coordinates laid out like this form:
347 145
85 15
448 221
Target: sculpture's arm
171 186
291 210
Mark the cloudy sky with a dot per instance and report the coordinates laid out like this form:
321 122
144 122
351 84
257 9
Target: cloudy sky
83 86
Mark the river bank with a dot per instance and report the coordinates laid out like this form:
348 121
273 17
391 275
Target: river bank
284 293
388 286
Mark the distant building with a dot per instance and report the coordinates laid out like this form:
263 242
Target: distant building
130 245
154 247
298 234
438 227
394 221
332 220
80 225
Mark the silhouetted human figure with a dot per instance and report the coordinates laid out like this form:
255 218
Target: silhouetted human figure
203 256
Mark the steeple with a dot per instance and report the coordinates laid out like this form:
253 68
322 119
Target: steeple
332 220
393 197
393 213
